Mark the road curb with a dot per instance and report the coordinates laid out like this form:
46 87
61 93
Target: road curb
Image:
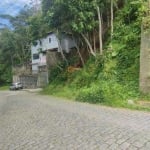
33 90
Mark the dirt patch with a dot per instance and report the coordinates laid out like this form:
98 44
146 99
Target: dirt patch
144 103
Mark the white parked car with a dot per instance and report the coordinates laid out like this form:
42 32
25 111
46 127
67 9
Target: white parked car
16 86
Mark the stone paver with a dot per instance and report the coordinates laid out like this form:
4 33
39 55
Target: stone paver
29 121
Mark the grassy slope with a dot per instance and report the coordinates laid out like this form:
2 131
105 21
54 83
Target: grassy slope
112 79
2 88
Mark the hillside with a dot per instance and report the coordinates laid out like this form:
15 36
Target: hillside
111 79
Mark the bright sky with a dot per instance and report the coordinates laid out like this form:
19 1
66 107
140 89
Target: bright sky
11 7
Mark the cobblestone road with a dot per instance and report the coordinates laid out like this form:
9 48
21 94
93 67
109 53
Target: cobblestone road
29 121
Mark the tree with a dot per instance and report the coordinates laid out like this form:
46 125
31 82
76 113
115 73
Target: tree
6 55
14 44
37 27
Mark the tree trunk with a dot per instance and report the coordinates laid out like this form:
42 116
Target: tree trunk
108 19
60 48
80 55
94 41
112 27
100 31
61 51
78 50
89 45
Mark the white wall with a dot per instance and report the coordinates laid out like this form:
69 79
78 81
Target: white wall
34 50
53 44
42 60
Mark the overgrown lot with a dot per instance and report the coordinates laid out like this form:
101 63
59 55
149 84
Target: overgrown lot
111 79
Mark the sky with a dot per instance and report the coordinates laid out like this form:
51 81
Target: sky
11 7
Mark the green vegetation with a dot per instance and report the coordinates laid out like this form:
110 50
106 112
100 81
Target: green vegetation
2 88
111 79
14 44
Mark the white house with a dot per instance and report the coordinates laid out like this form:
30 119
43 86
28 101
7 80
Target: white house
49 43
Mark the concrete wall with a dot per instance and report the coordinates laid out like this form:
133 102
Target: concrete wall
145 62
16 78
52 58
42 79
28 81
22 69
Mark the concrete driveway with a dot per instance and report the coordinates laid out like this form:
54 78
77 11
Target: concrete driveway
29 121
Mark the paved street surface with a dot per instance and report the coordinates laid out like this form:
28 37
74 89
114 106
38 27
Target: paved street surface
29 121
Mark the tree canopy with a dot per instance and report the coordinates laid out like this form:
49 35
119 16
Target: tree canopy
88 21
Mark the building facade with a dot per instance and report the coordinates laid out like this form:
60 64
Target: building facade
51 43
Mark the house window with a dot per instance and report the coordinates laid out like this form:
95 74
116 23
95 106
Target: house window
40 42
50 40
35 56
44 54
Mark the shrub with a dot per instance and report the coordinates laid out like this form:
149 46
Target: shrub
58 73
109 92
83 79
92 95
